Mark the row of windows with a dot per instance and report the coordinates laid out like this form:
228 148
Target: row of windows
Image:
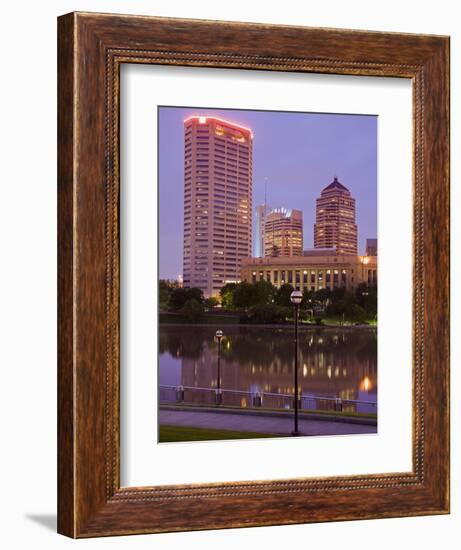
228 252
290 278
241 252
230 179
221 168
232 146
222 145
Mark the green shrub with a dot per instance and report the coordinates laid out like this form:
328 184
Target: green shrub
180 296
268 314
356 313
211 302
192 310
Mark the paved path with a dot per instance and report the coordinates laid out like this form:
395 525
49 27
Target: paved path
259 423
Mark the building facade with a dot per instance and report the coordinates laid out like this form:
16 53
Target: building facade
218 180
313 271
261 212
335 225
283 233
371 247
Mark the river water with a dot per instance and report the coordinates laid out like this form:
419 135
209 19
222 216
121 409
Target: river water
334 364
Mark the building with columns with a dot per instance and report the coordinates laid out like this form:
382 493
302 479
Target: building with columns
314 270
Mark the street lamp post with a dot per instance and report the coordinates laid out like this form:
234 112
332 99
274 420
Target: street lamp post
296 298
219 335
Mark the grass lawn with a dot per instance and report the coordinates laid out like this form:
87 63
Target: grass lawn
182 433
339 322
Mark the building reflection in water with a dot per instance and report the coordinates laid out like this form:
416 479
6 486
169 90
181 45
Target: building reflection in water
334 363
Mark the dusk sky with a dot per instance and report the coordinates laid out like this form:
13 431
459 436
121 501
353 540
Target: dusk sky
298 153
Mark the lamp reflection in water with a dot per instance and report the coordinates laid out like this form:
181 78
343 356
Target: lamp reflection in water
219 335
296 298
365 384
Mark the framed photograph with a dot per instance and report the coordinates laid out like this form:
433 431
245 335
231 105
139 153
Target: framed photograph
231 351
241 264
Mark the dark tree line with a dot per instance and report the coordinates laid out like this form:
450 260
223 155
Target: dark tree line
262 302
189 302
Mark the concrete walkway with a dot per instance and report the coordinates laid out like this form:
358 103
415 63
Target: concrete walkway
259 423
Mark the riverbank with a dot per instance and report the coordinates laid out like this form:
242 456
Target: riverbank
270 425
288 325
230 318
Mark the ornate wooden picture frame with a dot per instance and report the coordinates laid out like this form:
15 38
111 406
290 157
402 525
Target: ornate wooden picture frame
92 48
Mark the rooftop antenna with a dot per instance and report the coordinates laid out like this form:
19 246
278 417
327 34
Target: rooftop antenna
263 251
265 194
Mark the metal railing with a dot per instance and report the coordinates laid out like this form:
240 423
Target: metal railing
247 399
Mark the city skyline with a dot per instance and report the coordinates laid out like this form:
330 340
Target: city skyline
307 149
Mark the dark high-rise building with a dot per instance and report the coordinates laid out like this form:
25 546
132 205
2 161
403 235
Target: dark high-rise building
371 247
335 225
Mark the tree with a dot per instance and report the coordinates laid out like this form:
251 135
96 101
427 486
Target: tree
356 313
192 310
244 295
339 307
179 297
371 301
164 291
367 297
340 300
361 292
264 292
308 299
211 302
338 294
227 295
195 293
323 296
282 296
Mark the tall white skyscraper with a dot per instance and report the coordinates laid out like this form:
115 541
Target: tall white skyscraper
261 212
218 185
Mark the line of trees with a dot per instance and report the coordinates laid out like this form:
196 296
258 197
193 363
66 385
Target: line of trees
188 302
262 302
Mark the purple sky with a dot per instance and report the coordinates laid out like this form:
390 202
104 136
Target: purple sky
298 153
